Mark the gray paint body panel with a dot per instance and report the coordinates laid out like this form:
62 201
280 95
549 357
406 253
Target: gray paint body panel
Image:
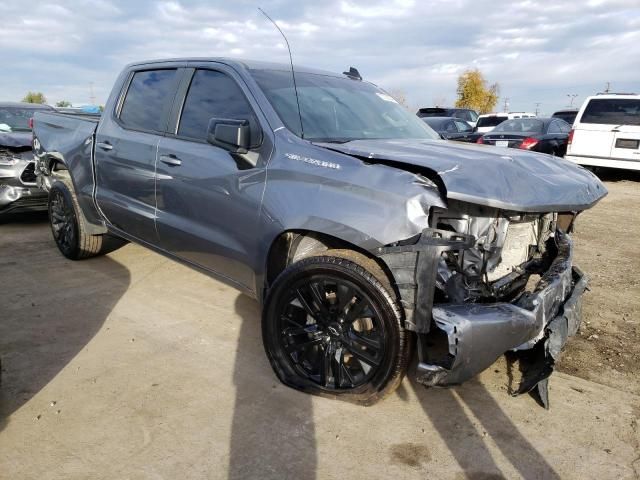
295 186
509 179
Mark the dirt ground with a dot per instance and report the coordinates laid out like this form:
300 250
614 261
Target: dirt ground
133 366
607 349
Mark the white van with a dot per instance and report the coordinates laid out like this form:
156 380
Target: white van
606 132
489 121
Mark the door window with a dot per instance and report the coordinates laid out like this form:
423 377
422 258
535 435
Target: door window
148 100
213 94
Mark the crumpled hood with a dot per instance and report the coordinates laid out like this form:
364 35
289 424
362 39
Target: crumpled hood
15 139
504 178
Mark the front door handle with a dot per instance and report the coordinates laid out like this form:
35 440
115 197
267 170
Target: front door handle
104 145
171 160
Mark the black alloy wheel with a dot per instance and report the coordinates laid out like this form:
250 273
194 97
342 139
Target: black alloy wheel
331 332
63 222
331 327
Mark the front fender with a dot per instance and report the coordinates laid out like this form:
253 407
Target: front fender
368 205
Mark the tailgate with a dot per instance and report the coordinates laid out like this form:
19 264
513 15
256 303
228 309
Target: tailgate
626 143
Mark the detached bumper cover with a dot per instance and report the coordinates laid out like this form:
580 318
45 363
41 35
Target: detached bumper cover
544 319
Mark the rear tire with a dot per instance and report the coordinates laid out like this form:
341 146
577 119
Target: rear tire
332 327
69 228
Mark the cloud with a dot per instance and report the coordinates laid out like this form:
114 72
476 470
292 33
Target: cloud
537 52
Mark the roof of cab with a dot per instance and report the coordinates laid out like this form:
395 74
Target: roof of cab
238 64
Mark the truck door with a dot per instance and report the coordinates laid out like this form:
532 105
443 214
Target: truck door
209 199
126 146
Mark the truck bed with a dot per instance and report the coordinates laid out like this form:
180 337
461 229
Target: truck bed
67 139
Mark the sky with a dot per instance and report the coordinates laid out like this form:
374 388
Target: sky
538 52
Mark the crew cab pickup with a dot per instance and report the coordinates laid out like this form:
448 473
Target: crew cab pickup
361 233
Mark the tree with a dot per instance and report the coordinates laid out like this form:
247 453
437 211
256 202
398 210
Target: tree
474 92
35 97
63 104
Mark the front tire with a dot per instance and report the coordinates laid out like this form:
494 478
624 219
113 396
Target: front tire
69 229
332 327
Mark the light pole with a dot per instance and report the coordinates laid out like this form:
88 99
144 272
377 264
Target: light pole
571 96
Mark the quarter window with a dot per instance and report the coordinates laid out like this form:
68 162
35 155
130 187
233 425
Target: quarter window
213 94
148 100
463 126
451 127
555 128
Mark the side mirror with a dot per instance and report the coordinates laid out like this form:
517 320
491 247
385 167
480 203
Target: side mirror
232 135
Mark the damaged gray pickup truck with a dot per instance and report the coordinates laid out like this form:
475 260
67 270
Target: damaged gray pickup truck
363 235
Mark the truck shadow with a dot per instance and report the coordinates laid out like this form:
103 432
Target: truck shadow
267 442
40 334
466 438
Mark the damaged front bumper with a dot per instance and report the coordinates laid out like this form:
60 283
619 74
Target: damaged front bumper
19 191
475 335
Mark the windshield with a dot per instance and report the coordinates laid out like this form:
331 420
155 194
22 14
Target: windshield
490 121
338 109
520 125
15 119
612 111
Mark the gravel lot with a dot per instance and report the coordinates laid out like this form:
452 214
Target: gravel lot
133 366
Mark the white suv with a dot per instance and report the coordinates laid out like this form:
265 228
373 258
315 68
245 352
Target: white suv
606 132
489 121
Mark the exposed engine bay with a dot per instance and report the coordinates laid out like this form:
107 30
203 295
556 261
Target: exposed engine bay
485 281
508 249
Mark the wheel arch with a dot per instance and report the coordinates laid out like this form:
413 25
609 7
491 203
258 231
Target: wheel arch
293 245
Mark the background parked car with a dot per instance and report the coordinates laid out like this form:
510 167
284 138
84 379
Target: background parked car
606 132
568 115
451 128
466 114
18 189
489 121
545 135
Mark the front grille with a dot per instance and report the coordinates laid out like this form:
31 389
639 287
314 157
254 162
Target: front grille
29 173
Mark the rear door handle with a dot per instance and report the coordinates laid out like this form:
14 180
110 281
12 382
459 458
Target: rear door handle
171 160
104 145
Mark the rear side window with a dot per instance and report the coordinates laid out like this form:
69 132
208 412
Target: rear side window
213 95
612 111
490 121
148 100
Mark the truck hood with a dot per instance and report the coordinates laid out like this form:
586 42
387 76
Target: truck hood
503 178
15 139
